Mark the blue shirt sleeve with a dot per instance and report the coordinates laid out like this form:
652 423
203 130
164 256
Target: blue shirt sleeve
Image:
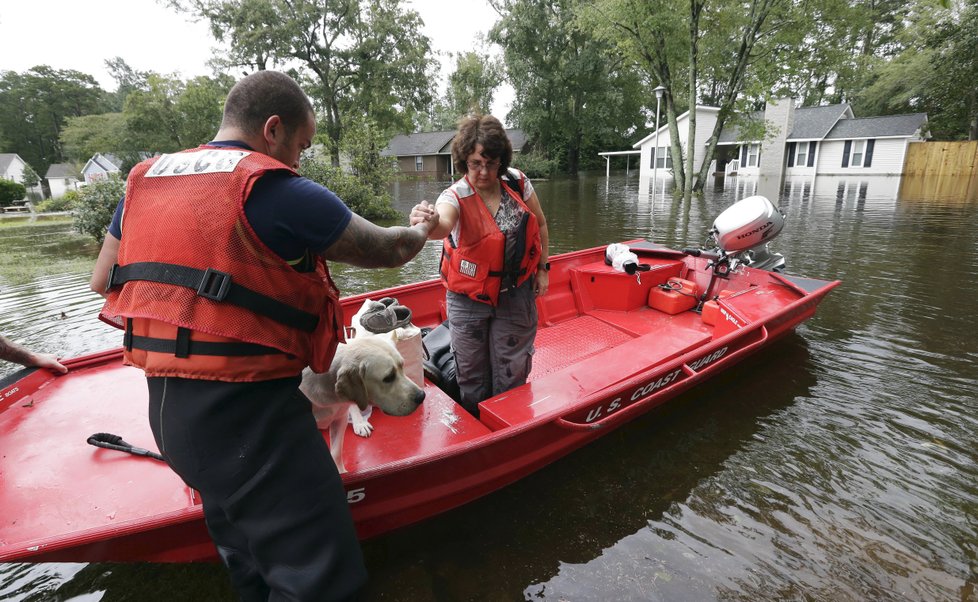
293 215
115 226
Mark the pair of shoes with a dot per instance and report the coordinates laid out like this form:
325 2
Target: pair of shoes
380 318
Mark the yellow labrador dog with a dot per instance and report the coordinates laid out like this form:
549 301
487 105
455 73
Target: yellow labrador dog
364 370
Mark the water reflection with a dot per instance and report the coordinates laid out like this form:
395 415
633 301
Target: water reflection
838 465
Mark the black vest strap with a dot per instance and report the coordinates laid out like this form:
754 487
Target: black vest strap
216 286
184 346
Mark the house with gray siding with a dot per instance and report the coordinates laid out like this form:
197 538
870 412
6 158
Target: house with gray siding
101 167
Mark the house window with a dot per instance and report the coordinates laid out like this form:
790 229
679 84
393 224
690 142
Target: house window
858 148
662 159
858 153
752 152
419 163
801 154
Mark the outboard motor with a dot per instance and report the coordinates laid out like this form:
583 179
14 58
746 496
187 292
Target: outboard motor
744 230
741 235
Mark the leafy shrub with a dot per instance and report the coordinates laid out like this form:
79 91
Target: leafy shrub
534 164
96 204
359 196
10 192
66 202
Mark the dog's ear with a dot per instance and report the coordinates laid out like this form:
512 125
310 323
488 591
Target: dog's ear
350 385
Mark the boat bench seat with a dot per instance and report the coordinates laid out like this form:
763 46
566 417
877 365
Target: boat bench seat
573 359
437 424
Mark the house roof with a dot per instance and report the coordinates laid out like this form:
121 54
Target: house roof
878 127
438 143
6 159
61 170
107 163
814 123
810 123
419 143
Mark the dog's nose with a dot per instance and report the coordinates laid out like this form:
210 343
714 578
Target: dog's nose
419 396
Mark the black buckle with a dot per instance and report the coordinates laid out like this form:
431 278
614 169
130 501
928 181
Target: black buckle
214 285
108 282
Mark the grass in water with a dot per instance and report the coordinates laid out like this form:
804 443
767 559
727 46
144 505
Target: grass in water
43 247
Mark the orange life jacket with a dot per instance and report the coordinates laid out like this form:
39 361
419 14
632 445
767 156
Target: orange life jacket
200 295
474 265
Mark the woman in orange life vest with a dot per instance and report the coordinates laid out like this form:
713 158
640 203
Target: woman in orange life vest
494 261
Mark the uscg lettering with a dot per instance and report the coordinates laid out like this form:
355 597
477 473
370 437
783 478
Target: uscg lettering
197 162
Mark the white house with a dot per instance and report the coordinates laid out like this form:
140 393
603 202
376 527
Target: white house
13 168
61 178
100 167
804 141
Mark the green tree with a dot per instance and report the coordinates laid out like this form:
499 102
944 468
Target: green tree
720 48
574 94
127 79
11 191
35 106
473 83
31 179
471 88
95 206
935 73
84 136
171 115
358 57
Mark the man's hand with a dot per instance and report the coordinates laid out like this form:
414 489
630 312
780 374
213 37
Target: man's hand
424 212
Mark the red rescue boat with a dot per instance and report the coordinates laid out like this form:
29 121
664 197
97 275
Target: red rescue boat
611 346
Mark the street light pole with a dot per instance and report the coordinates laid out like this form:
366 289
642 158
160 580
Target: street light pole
655 161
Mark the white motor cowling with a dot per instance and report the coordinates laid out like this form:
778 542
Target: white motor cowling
747 223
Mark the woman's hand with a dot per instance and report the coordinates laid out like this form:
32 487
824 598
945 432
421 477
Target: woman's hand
424 212
542 282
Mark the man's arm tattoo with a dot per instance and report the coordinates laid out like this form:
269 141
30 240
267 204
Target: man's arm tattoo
364 245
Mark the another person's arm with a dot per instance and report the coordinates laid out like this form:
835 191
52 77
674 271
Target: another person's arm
12 352
107 258
542 282
109 254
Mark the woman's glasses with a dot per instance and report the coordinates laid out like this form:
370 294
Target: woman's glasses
489 166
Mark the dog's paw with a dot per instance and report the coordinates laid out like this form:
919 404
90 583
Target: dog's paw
363 428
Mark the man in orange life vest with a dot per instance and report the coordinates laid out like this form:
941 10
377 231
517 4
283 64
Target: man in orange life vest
215 267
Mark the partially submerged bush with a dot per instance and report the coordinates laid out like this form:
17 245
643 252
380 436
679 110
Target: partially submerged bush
10 192
358 195
534 164
96 205
66 202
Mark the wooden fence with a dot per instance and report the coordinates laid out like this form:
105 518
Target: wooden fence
942 159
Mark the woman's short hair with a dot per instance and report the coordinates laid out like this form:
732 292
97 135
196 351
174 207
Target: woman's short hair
487 131
262 94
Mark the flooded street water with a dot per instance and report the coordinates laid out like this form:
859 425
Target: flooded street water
840 464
